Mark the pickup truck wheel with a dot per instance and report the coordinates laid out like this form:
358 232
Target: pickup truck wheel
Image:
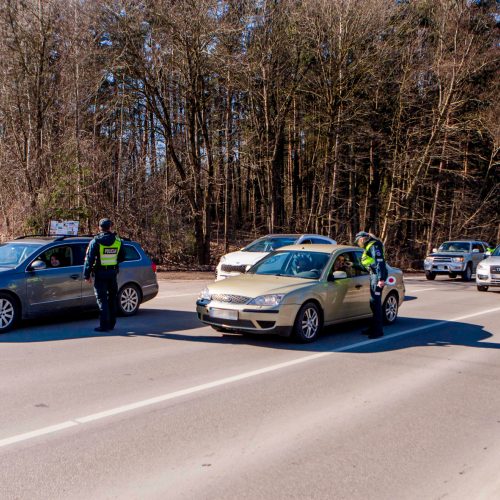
430 276
9 312
467 274
308 323
482 288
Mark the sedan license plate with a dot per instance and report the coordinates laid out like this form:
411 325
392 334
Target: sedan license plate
495 269
223 314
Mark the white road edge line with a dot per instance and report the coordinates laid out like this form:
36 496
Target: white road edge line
422 290
224 381
160 296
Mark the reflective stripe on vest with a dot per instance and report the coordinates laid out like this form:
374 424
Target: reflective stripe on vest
109 254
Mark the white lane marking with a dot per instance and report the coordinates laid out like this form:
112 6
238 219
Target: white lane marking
161 296
39 432
224 381
422 289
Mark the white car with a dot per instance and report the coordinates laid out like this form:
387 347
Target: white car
235 263
488 272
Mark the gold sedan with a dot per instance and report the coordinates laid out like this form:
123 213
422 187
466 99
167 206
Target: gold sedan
296 291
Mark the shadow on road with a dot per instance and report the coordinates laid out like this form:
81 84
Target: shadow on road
184 326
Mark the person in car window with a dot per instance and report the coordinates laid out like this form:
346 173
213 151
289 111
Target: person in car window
104 254
373 260
54 260
341 264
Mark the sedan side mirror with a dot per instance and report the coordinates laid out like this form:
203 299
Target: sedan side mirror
37 265
337 275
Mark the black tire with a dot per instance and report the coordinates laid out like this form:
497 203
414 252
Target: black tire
467 274
482 288
452 275
390 308
308 323
430 276
9 312
129 300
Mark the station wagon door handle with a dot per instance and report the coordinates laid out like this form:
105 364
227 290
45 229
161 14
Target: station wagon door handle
74 276
358 286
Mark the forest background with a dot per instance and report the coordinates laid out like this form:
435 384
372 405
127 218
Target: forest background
197 125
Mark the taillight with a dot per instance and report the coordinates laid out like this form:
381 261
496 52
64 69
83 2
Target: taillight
153 266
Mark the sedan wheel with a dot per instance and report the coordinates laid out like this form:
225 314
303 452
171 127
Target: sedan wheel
8 313
308 323
129 300
391 307
482 288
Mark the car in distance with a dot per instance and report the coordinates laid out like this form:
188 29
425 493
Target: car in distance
297 290
44 276
235 263
455 258
488 272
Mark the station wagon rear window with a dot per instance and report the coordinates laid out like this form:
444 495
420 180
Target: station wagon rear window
130 253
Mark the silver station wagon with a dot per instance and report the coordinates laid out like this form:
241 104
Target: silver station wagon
44 276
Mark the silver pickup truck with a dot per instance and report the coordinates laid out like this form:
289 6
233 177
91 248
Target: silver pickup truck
455 258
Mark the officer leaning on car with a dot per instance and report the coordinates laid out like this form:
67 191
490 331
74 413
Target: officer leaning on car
104 254
373 260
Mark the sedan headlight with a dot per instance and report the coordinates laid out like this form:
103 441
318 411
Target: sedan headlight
429 259
267 300
205 294
482 267
223 259
457 259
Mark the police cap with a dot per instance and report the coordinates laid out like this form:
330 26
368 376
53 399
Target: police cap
361 234
105 224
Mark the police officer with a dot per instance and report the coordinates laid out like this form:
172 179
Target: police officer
104 254
373 260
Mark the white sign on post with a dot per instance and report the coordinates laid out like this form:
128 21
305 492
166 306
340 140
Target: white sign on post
63 228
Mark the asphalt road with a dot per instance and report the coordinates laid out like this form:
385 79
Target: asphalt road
166 408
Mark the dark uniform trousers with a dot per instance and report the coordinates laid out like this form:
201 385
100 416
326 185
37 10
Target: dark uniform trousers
106 291
376 305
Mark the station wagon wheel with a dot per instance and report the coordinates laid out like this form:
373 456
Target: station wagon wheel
9 312
390 309
308 323
129 300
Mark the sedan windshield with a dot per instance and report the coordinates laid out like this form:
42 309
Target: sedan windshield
496 252
269 244
455 246
12 254
293 264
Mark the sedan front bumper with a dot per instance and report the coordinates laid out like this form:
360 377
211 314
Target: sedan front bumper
241 317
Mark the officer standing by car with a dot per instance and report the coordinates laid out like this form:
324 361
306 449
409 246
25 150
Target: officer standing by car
373 260
104 254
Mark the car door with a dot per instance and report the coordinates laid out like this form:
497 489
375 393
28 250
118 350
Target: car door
56 287
349 297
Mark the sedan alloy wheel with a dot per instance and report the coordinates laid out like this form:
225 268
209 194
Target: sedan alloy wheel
308 323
